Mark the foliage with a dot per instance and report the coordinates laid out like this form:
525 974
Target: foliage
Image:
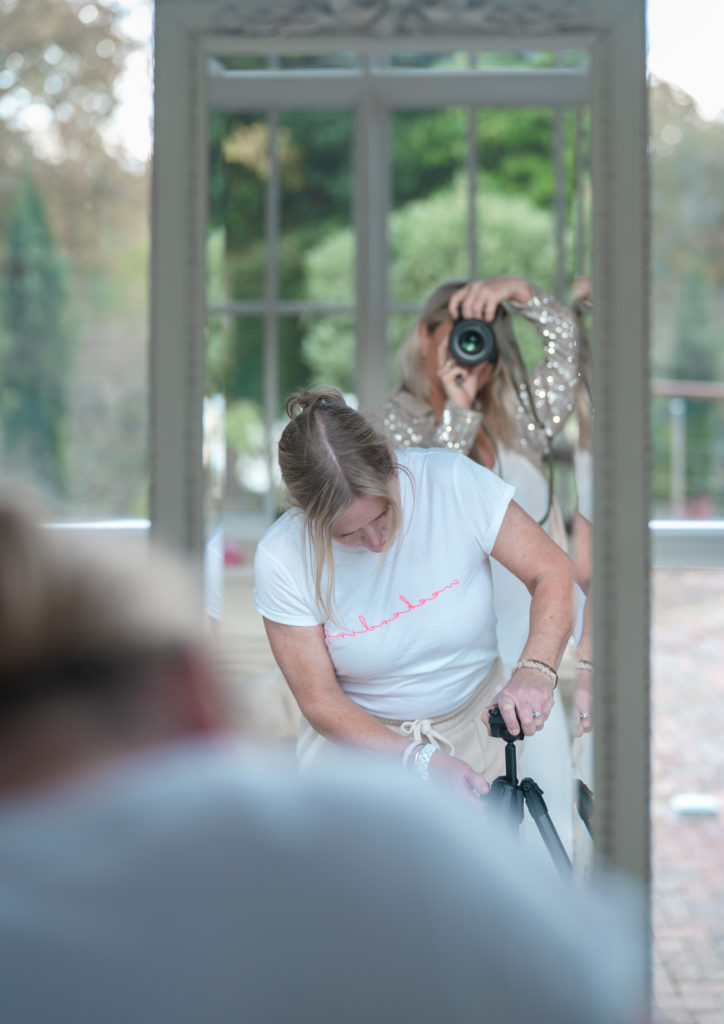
426 248
35 350
314 153
61 62
687 275
687 198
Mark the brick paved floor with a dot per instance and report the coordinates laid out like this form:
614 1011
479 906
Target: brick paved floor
687 644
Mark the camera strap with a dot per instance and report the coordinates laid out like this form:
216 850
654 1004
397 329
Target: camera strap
579 310
510 352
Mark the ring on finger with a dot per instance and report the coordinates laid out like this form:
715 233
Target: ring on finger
537 714
584 714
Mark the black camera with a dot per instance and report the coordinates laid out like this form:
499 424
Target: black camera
473 342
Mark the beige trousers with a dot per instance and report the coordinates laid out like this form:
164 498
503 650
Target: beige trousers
460 732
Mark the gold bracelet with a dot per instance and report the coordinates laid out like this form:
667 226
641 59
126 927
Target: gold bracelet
587 665
541 666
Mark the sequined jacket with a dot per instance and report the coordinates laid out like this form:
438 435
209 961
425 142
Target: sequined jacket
407 419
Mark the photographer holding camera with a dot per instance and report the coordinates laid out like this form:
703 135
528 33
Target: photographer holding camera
464 387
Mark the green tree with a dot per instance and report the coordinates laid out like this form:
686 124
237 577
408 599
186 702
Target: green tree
698 357
35 345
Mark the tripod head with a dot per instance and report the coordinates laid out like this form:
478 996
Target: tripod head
498 727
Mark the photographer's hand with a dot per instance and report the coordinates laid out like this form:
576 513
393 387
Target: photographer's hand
583 701
460 383
480 299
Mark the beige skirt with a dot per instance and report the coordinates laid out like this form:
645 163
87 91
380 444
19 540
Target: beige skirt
460 732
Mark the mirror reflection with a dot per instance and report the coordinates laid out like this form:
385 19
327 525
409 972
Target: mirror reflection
338 232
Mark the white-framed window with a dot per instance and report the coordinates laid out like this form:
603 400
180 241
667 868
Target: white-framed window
344 186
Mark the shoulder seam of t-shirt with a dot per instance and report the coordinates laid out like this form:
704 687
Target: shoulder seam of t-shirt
289 576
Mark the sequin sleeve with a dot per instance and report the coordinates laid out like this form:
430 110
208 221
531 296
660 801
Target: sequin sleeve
554 381
408 422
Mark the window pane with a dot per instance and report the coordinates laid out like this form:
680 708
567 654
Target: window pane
315 162
235 373
516 221
244 62
238 173
430 61
532 59
324 346
427 235
322 60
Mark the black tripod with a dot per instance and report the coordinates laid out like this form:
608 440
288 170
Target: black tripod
509 796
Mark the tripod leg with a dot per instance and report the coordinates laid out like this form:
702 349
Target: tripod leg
585 806
532 794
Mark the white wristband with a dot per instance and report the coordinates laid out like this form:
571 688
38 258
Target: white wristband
409 751
421 765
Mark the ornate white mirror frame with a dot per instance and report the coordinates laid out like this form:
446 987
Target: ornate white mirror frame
614 32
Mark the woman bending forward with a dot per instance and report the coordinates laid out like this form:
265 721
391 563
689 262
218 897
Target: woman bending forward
375 588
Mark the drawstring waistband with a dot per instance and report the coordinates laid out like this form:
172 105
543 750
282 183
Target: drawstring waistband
424 727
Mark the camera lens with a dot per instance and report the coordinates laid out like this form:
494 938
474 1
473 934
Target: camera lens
472 342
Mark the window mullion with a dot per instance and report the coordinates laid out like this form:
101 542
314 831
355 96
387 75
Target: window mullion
371 213
271 285
559 171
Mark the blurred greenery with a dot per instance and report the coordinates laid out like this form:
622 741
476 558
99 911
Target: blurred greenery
427 228
75 242
687 297
34 345
516 237
74 235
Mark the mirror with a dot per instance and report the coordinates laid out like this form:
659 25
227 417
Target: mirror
480 182
613 36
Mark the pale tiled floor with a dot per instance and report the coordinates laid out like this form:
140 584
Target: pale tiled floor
687 757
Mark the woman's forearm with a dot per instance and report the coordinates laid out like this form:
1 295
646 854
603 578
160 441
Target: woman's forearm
551 618
340 720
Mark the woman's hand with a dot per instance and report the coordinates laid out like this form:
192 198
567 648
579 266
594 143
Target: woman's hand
460 383
583 702
525 702
479 300
462 779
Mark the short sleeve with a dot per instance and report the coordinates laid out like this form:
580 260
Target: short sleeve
485 500
278 595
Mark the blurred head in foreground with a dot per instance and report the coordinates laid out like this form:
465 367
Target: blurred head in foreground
172 879
101 651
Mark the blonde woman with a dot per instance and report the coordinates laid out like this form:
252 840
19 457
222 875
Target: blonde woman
505 418
376 592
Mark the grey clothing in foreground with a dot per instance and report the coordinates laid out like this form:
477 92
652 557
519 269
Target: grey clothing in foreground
209 885
407 419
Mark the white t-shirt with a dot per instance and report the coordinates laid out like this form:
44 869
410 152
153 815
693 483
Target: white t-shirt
413 631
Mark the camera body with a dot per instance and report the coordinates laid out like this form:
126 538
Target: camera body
473 341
